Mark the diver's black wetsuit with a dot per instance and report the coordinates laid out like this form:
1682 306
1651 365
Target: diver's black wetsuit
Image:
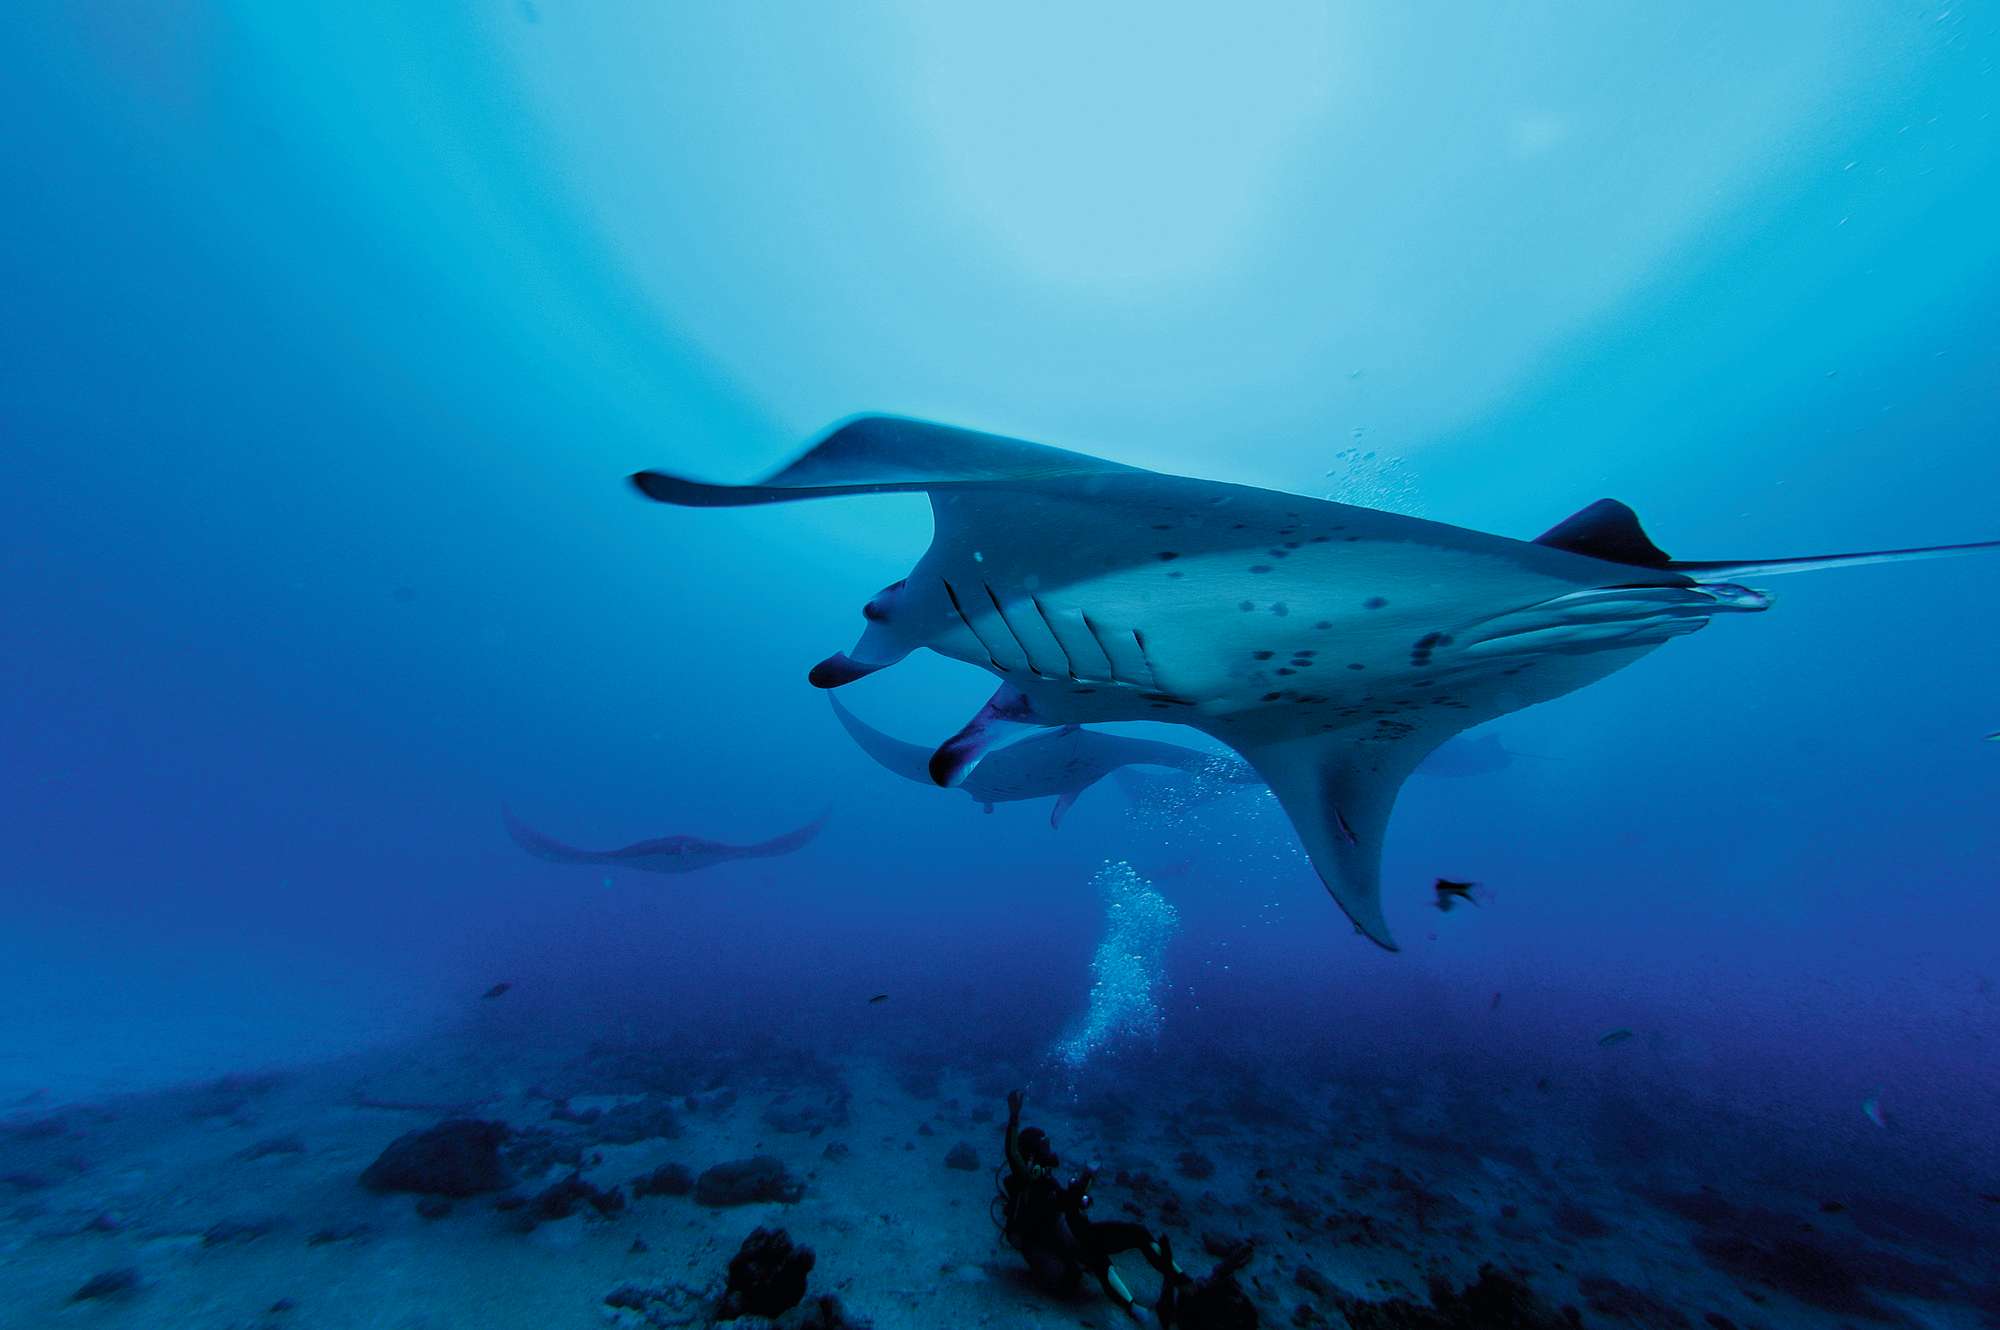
1050 1224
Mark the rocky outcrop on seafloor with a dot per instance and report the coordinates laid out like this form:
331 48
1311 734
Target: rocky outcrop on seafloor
459 1157
666 1180
1493 1301
767 1276
752 1181
764 1288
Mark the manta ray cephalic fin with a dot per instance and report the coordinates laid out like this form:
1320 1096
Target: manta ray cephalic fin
1001 721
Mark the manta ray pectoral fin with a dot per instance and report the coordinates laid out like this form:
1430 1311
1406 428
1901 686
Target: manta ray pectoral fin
1814 562
1135 786
547 847
1006 714
787 843
885 455
1606 530
1064 802
1338 792
909 761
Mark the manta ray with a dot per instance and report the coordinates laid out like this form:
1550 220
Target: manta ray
1063 762
1481 755
665 854
1332 646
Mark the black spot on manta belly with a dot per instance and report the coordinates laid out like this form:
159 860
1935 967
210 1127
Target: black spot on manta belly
1374 603
1262 655
1278 608
1167 556
1260 568
1245 606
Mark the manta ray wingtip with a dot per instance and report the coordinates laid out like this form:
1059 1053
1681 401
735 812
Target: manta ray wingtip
652 485
1376 932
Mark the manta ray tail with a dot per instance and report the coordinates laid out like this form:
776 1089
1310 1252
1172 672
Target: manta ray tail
1610 531
1726 568
544 847
1338 794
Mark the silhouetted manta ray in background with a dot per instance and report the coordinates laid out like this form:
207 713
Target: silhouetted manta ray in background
1332 646
1063 763
1481 755
667 854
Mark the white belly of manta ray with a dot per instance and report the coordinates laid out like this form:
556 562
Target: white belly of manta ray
1332 646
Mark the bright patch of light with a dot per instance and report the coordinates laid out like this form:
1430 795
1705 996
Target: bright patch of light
1103 145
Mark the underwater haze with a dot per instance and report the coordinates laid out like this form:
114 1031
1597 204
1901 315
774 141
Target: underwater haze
342 657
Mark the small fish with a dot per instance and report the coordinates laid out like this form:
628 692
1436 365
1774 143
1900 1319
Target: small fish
1494 1005
496 990
1610 1037
1990 1197
879 997
1993 737
1871 1107
1450 893
1831 1207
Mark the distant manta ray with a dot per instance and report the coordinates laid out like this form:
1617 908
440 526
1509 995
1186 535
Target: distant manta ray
1332 646
1479 756
1063 763
667 854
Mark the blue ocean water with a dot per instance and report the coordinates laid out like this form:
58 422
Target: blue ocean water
333 332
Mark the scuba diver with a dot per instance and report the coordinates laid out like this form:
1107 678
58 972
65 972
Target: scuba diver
1049 1222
